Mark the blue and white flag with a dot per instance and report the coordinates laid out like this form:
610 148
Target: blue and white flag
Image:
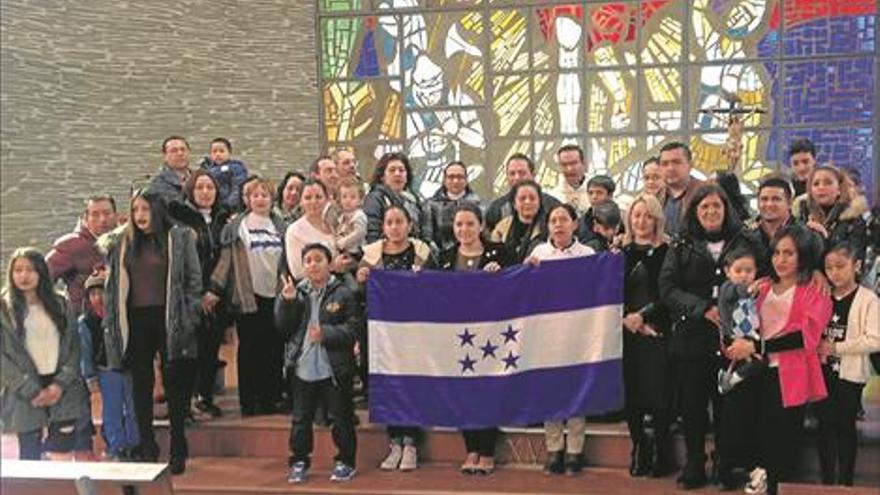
475 350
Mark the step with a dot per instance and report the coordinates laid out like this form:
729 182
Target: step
607 444
267 436
268 475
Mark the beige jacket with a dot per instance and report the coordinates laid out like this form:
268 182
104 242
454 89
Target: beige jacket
862 337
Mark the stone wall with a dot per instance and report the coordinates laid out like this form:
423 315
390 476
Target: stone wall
90 89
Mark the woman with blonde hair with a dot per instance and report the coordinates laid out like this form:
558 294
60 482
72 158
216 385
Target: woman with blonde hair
646 374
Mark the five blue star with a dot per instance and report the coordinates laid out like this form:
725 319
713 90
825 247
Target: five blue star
510 361
467 338
510 334
467 363
488 349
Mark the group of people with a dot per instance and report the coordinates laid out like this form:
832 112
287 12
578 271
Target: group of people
751 318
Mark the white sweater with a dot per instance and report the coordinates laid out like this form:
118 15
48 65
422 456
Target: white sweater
862 337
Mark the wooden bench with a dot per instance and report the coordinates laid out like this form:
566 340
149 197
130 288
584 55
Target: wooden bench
129 477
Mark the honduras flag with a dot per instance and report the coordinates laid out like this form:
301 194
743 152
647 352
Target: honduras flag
475 350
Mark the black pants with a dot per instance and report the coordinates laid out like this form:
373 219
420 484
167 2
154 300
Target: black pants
837 429
742 406
260 355
780 432
337 396
697 387
759 431
210 338
480 441
147 337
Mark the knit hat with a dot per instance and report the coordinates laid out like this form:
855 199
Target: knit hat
96 279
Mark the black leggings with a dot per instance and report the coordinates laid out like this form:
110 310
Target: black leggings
838 441
147 337
210 337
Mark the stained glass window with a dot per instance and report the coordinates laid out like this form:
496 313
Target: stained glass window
478 80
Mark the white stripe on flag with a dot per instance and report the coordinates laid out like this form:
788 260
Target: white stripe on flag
547 340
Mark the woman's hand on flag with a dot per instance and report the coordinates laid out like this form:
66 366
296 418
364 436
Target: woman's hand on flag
633 322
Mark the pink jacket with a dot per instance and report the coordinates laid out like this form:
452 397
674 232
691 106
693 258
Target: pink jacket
800 374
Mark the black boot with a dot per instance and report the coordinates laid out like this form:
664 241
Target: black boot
177 464
693 475
661 457
646 457
715 471
635 468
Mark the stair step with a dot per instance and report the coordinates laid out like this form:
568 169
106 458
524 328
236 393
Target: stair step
267 436
268 475
607 445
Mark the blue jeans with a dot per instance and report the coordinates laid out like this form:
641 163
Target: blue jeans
119 428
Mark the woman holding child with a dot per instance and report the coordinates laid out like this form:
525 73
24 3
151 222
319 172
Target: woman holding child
690 279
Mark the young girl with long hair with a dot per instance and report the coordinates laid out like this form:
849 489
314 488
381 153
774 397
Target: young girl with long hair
41 383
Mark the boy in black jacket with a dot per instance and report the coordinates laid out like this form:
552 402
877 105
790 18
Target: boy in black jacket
319 317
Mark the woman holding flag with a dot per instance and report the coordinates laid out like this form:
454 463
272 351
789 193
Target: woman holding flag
397 251
470 253
562 456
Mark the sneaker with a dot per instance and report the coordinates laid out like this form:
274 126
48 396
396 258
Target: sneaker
392 462
757 484
342 472
298 472
486 466
410 459
469 466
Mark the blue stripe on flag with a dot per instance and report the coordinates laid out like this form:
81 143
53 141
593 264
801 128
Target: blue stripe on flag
482 402
444 297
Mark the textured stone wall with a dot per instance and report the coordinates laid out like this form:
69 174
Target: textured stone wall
90 89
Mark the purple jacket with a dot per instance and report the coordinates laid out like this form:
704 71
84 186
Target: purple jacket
73 258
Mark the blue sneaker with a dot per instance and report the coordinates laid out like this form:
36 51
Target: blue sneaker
298 473
342 472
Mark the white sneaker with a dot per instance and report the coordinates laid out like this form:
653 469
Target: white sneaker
757 484
410 460
393 460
